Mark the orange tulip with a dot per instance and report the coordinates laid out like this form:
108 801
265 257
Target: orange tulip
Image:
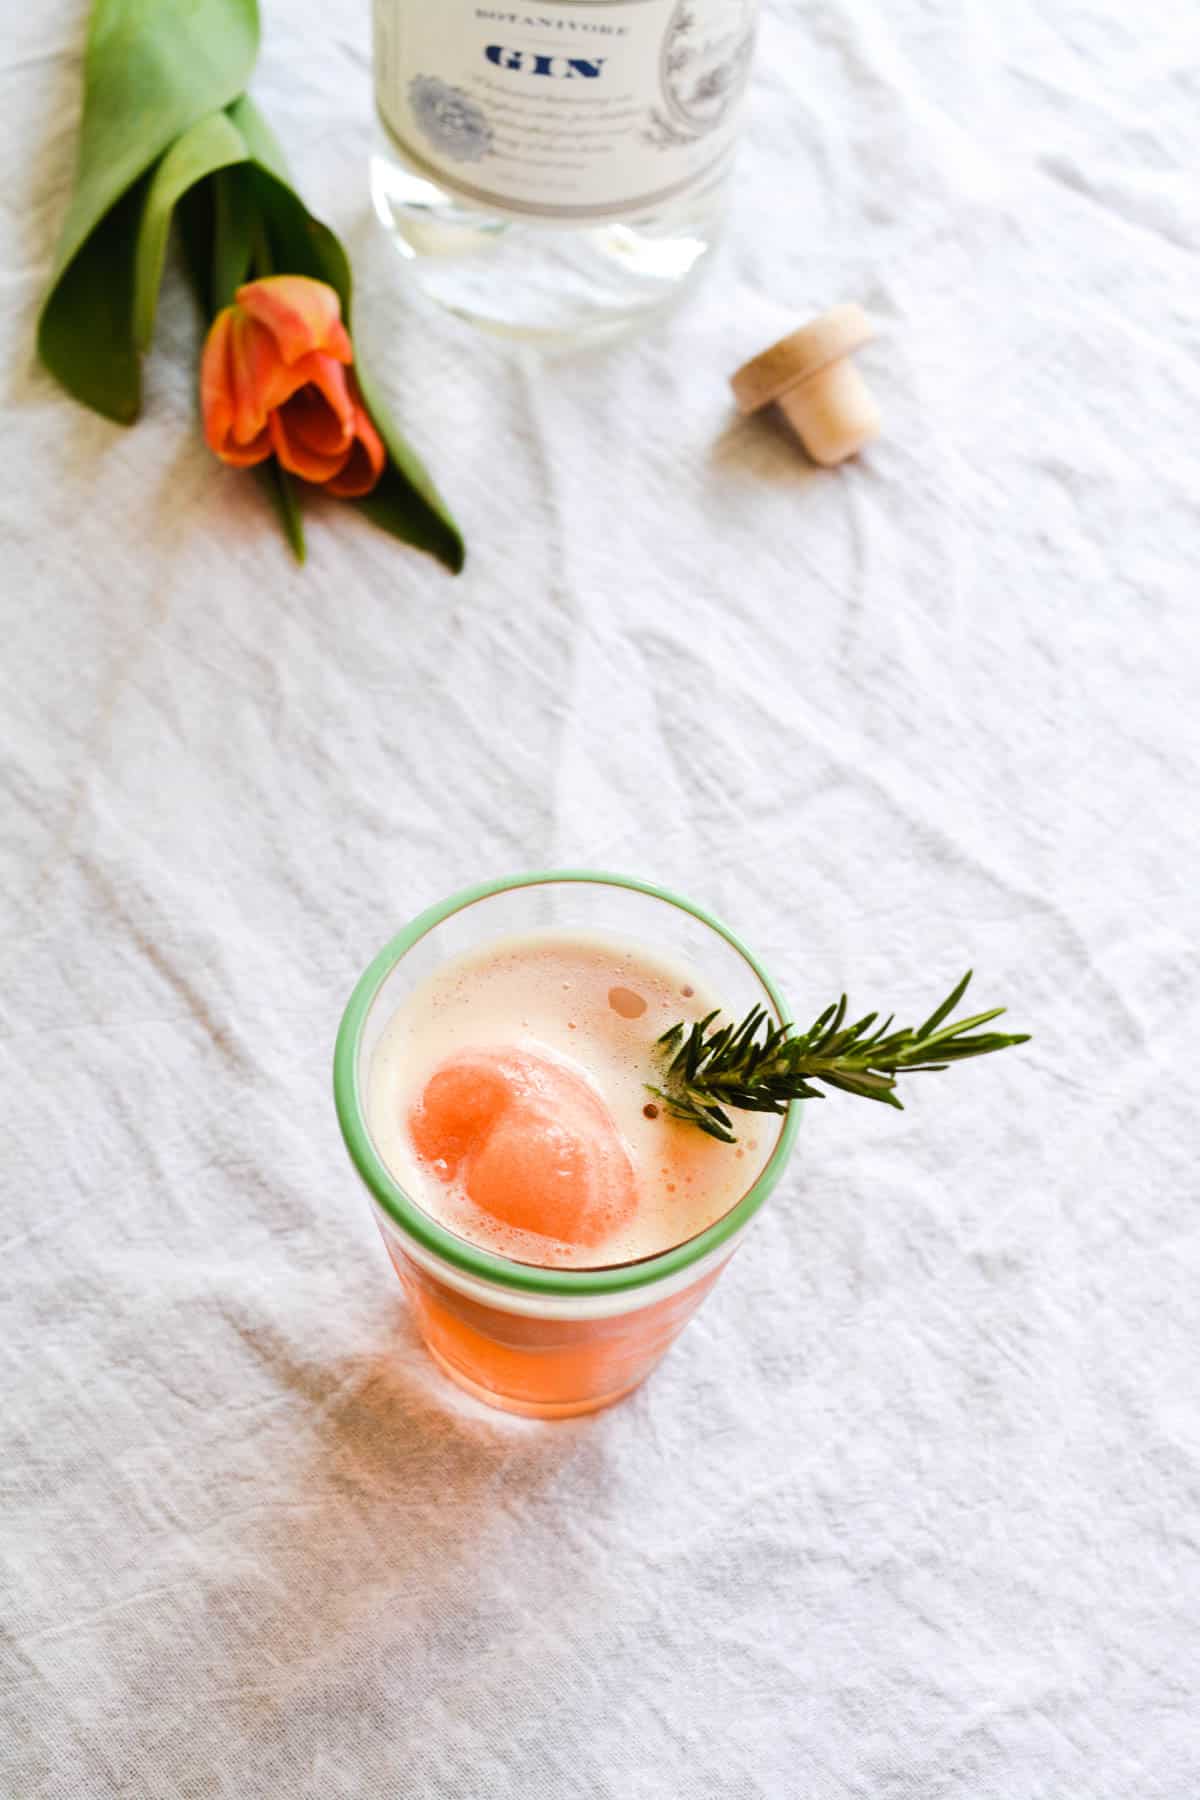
274 378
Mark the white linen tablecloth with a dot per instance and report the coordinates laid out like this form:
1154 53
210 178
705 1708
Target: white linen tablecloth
910 1513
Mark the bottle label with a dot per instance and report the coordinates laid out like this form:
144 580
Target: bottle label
585 109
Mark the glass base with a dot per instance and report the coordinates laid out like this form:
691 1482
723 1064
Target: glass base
529 1409
533 279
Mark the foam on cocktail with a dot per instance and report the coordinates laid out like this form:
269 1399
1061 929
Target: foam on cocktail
508 1096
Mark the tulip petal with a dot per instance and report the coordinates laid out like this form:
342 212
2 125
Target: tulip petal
312 422
364 465
219 402
329 377
310 465
245 456
313 429
258 377
301 314
216 392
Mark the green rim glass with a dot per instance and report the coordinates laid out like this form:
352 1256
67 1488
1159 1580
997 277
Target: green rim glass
456 1251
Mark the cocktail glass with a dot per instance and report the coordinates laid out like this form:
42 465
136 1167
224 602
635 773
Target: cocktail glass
546 1342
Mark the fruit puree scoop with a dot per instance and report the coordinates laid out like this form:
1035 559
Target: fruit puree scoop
529 1141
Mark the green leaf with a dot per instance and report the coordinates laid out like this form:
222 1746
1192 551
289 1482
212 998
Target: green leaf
282 492
948 1032
868 1087
234 227
152 70
405 501
86 336
196 218
947 1007
834 1026
260 140
299 243
214 143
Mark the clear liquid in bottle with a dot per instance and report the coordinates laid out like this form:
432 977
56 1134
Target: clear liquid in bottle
557 171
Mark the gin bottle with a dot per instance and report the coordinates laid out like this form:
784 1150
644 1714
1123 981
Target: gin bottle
557 170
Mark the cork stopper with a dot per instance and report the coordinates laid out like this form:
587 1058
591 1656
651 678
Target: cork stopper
811 376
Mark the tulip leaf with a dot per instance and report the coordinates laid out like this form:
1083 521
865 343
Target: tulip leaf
297 243
282 492
260 140
151 72
220 232
214 143
85 335
404 501
234 230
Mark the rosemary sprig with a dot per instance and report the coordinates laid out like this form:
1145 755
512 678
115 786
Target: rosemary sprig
759 1067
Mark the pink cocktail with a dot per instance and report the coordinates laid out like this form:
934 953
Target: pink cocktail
553 1228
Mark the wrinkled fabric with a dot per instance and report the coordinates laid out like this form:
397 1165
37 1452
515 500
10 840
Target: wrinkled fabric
910 1510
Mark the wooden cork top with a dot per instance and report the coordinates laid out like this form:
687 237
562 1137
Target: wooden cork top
804 353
